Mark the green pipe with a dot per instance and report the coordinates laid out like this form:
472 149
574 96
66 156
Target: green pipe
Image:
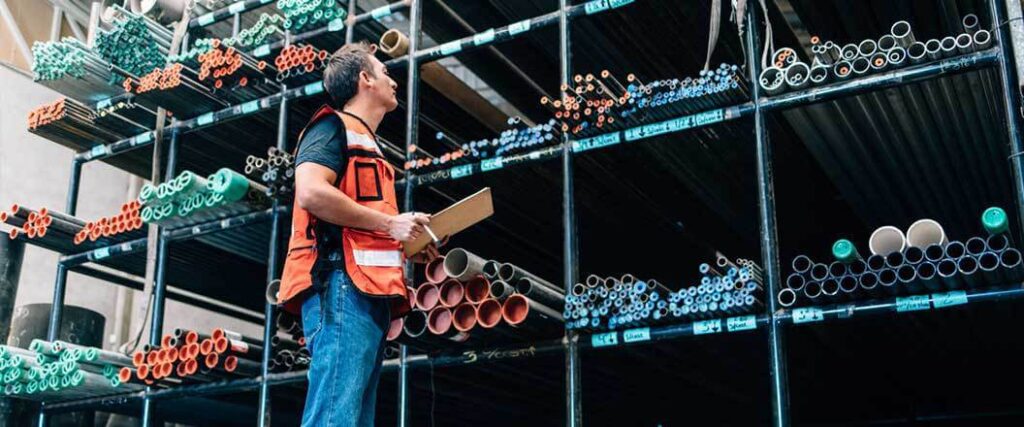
994 220
230 184
844 251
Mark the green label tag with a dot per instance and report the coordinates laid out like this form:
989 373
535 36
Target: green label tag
949 299
98 150
913 303
605 339
461 171
103 104
595 6
250 106
636 335
336 25
100 253
618 3
704 327
741 323
143 138
206 19
491 164
519 27
205 119
237 7
484 37
381 12
596 142
313 88
451 47
807 315
262 50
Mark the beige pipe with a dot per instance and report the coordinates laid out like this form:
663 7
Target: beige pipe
395 44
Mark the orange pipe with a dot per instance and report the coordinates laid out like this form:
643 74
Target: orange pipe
230 363
211 360
488 313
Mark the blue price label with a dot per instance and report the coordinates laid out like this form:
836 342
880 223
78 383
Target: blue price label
262 50
206 19
605 339
336 25
451 47
595 6
98 150
808 315
103 104
704 327
484 37
381 12
741 323
250 106
519 27
205 119
949 299
461 171
618 3
237 7
313 88
491 164
913 303
596 142
100 253
143 138
265 1
636 335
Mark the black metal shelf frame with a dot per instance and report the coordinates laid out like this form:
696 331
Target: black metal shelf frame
774 319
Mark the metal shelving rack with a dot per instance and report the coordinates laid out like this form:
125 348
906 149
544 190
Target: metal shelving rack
775 320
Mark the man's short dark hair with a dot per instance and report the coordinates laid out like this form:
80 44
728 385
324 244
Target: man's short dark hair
341 76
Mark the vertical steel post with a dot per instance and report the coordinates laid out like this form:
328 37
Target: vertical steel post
350 32
573 371
412 128
269 326
1012 107
769 241
59 286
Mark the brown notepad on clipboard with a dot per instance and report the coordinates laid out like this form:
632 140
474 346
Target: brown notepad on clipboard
455 218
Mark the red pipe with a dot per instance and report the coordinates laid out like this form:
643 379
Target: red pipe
488 313
211 360
515 309
138 358
477 289
427 297
181 370
206 347
452 293
191 366
125 374
142 372
396 329
230 363
439 320
220 345
464 317
435 271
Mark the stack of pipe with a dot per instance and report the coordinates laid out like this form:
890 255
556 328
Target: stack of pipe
188 356
176 88
276 171
128 220
897 49
464 292
921 260
189 198
258 33
123 115
296 63
515 139
302 14
600 104
69 122
38 224
724 289
135 43
71 68
289 354
224 65
59 370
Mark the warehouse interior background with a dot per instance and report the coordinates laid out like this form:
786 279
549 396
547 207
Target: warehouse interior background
937 139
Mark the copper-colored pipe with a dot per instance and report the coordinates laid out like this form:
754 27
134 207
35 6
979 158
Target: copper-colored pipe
427 297
211 360
125 374
435 271
230 363
206 347
142 372
191 337
138 358
171 354
151 357
488 313
395 330
464 317
221 345
451 293
181 370
477 289
517 308
439 320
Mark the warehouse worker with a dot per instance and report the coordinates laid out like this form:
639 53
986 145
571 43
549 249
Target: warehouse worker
344 264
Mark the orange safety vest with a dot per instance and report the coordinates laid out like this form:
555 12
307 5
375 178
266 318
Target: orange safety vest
373 260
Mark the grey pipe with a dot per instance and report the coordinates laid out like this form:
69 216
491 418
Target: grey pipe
947 270
850 51
842 69
988 263
819 74
501 290
491 269
868 281
848 284
879 61
927 274
997 242
819 272
540 292
812 290
830 288
796 281
886 43
511 273
771 80
947 46
887 278
876 262
903 34
975 246
861 65
1010 261
462 265
964 43
982 39
970 23
802 264
933 48
917 53
955 250
967 266
897 57
867 47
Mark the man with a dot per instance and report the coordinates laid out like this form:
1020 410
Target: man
344 264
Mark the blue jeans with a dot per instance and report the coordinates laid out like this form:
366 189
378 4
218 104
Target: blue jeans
345 332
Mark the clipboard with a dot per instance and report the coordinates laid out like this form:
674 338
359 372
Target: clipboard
455 218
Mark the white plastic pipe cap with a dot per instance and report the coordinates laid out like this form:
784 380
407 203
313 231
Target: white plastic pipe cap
925 232
886 240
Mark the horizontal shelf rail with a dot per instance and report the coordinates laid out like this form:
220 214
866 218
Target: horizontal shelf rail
333 26
226 12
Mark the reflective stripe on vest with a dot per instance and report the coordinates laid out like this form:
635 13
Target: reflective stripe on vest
371 258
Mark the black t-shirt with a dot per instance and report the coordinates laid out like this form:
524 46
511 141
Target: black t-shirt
324 143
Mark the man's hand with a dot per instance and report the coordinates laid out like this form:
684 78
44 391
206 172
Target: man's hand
429 253
408 226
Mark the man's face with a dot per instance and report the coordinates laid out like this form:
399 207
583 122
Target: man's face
382 87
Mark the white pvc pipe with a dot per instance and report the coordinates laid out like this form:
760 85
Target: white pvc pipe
886 240
925 232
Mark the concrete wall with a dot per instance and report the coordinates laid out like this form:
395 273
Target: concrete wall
34 172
